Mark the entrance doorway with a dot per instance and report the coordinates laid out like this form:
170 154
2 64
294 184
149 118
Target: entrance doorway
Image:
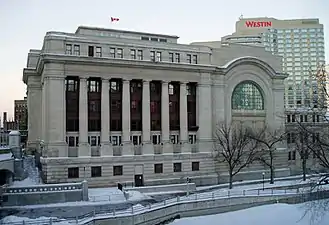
139 180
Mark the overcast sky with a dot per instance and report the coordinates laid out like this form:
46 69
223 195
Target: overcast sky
23 24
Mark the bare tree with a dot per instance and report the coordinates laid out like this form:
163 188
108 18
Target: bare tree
301 146
267 140
234 147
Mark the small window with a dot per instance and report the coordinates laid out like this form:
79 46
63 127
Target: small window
76 49
115 86
288 119
195 166
158 168
293 119
145 38
91 51
152 56
117 170
96 171
132 53
171 57
120 53
140 54
112 52
177 167
159 56
171 89
68 50
189 58
98 51
177 57
73 172
154 39
71 141
163 40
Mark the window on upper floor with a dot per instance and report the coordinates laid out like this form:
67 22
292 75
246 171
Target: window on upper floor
190 89
98 51
159 56
140 54
171 89
76 49
195 59
177 57
152 56
112 52
120 53
71 85
247 96
115 86
162 40
68 49
189 58
94 86
171 57
91 51
132 53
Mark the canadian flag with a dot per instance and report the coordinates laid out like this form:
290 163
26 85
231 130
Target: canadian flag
113 19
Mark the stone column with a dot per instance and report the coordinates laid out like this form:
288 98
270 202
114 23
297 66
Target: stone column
55 116
127 146
146 135
205 115
183 134
167 147
106 148
84 147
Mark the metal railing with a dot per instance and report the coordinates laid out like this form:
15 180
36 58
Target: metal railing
228 197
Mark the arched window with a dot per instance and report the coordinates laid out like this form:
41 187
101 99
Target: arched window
247 96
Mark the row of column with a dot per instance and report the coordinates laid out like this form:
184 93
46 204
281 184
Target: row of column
146 117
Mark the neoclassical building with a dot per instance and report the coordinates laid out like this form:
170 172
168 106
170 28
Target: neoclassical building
119 106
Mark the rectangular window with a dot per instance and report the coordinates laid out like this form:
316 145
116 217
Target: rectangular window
177 167
132 53
96 171
115 86
73 172
177 57
159 56
152 56
120 53
145 38
163 40
71 141
195 59
288 119
98 51
68 50
293 118
195 166
140 54
91 51
189 58
158 168
76 49
171 57
117 170
112 52
301 118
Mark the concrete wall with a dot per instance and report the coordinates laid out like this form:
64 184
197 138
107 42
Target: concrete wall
201 208
45 194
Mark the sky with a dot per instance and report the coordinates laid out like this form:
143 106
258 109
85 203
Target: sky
24 24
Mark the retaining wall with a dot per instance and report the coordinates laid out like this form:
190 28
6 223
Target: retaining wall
191 187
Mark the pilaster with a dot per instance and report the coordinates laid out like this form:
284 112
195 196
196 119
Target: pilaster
126 142
146 117
167 147
183 118
84 147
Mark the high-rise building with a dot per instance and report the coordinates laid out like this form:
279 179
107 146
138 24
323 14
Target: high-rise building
301 44
20 113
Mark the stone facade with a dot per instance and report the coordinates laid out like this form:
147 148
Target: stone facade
88 54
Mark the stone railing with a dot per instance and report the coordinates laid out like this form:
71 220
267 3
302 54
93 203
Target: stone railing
138 149
117 150
158 149
95 151
45 194
177 148
73 152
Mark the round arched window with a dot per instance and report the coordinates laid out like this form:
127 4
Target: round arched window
247 96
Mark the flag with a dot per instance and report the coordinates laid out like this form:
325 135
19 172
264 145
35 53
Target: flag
114 19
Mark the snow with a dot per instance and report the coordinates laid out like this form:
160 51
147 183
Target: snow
5 156
24 183
269 214
41 220
114 195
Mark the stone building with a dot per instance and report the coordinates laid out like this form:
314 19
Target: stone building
120 106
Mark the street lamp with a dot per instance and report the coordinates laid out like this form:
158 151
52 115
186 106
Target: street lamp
263 181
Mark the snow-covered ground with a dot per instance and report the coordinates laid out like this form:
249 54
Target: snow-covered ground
276 214
41 220
5 156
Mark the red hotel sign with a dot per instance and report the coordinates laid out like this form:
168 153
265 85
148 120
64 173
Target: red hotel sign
258 23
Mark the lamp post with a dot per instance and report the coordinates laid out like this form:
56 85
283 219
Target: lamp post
187 188
263 181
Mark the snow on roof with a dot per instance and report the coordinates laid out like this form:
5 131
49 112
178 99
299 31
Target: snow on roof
5 156
14 132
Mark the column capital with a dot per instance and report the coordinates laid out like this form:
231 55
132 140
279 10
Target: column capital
165 82
83 78
146 81
126 80
105 79
183 82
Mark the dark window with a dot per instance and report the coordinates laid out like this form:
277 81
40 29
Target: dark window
195 166
116 105
134 106
305 118
132 53
158 168
288 119
71 141
171 89
293 119
117 170
71 85
190 89
163 40
76 49
154 107
171 57
145 38
140 54
115 86
91 51
112 52
152 56
195 59
189 58
301 118
68 49
98 51
317 118
177 167
73 172
159 56
120 53
115 125
94 86
154 39
96 171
